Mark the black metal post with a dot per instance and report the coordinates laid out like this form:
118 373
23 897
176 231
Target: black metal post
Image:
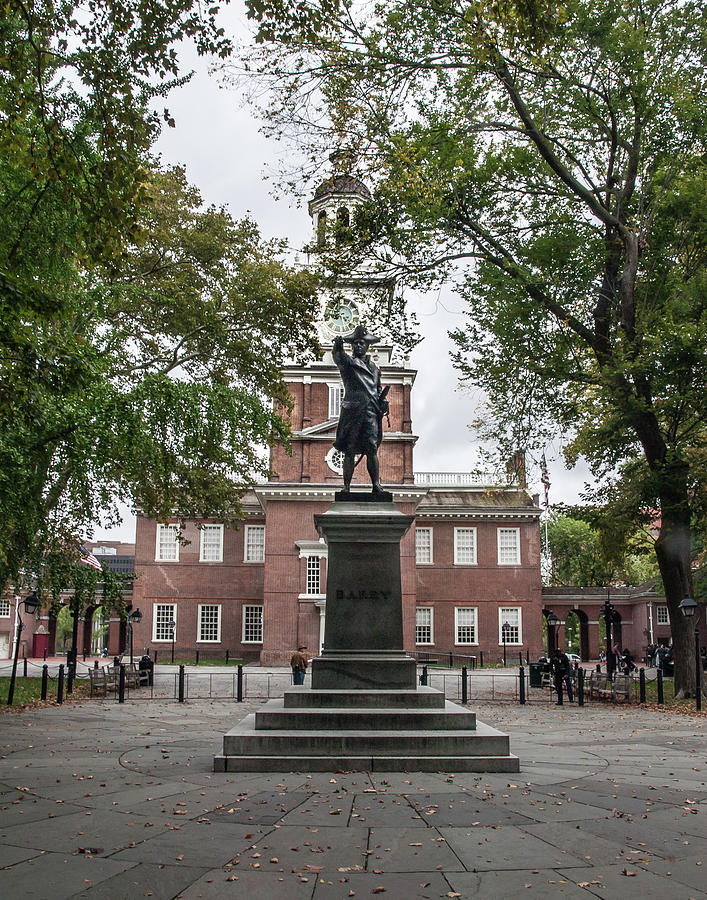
154 658
45 679
521 686
580 687
74 648
226 657
180 696
24 666
197 657
641 685
659 676
60 685
503 633
20 626
465 694
239 684
481 659
121 684
698 668
451 660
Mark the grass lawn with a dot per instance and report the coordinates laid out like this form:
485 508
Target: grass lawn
28 690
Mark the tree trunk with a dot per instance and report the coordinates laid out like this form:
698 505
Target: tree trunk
673 552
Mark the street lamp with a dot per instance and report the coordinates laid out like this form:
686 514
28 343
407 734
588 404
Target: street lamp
172 624
691 610
31 606
134 618
504 635
552 623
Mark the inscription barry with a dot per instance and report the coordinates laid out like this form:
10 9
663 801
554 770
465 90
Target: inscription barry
363 595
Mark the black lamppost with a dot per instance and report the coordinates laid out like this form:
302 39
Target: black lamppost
610 616
552 623
691 610
173 625
134 618
31 606
504 635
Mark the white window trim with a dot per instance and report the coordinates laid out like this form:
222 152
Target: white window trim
432 627
201 543
457 642
476 546
519 642
5 615
243 614
517 560
155 604
658 611
160 526
333 387
253 562
431 560
216 640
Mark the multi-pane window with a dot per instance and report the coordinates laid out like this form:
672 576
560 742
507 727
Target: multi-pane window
335 392
423 546
211 543
313 575
209 622
4 607
162 615
465 546
509 625
661 615
509 546
252 624
465 624
423 625
254 543
167 543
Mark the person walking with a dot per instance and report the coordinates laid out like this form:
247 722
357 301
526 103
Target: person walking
298 664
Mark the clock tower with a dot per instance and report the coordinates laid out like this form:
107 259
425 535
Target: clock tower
316 388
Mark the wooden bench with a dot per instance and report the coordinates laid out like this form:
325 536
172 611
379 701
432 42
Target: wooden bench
596 684
620 687
103 680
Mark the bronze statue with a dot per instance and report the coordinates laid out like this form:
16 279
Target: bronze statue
360 428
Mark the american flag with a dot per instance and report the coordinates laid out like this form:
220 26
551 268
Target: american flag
545 478
88 559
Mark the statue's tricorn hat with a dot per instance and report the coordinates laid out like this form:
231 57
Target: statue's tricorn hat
360 334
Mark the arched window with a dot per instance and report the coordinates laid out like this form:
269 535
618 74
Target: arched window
343 223
321 229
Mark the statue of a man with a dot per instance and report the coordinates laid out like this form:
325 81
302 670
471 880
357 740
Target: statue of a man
360 428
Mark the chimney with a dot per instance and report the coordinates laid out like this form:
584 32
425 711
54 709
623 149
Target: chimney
515 467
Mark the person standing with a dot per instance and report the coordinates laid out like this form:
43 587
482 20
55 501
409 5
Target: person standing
561 674
298 664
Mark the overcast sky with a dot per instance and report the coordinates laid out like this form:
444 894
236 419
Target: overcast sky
217 138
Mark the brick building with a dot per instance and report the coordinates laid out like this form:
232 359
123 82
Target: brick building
470 565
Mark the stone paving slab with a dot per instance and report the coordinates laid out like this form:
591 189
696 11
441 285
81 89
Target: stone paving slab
603 791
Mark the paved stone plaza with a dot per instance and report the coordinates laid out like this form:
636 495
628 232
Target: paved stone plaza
99 800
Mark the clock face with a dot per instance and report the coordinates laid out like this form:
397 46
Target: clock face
342 316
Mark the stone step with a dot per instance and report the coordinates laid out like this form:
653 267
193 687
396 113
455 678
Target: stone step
274 716
297 763
244 740
422 698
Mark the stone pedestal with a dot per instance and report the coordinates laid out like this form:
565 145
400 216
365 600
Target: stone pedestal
364 711
363 632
